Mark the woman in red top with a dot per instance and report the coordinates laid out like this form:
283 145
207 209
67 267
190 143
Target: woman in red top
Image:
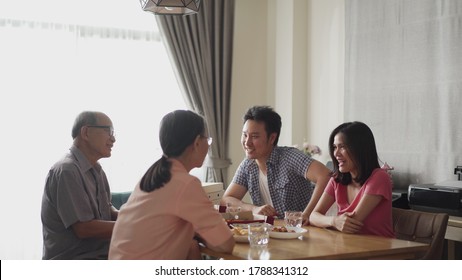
359 187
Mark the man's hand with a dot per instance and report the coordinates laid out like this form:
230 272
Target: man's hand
306 219
266 210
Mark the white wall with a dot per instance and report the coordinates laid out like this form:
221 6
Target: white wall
326 70
249 70
290 55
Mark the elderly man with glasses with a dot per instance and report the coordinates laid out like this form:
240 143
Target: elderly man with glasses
77 215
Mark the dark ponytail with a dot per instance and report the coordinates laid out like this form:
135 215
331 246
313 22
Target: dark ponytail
157 175
178 130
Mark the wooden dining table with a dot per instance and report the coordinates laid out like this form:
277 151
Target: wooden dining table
327 244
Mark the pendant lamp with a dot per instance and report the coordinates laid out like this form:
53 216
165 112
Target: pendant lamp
171 7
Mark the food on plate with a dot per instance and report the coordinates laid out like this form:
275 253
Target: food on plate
282 229
239 231
287 232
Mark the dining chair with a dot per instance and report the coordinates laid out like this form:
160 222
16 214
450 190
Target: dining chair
423 227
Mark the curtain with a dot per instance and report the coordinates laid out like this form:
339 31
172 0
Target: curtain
200 47
403 77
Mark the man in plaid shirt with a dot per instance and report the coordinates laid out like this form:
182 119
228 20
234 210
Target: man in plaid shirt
278 179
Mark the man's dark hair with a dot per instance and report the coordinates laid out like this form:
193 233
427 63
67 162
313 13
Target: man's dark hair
268 116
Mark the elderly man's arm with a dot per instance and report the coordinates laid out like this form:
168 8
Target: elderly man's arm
94 229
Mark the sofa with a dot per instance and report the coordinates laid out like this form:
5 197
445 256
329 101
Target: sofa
119 198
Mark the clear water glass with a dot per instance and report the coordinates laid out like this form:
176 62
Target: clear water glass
293 218
258 234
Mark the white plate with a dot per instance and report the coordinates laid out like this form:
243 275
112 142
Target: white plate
288 235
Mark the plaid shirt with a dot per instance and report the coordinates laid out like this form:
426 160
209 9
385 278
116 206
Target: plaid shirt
286 169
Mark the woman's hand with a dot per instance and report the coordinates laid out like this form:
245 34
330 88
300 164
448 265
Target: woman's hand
346 223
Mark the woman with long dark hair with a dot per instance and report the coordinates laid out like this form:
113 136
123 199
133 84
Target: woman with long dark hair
361 189
169 210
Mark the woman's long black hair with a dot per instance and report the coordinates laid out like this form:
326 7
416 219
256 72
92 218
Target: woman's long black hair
178 130
360 145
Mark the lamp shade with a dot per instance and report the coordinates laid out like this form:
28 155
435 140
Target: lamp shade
171 7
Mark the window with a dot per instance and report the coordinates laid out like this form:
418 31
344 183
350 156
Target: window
105 56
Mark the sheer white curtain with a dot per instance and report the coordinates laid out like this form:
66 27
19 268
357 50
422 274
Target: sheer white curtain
53 67
403 77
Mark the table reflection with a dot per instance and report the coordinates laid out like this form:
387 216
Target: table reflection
256 253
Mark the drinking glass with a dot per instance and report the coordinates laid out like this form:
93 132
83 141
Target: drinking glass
293 218
258 234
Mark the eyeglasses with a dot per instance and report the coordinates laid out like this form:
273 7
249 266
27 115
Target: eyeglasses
209 139
109 129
